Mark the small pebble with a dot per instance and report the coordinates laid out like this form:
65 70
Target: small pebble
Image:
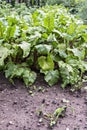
26 112
47 104
80 120
31 114
54 102
38 124
67 129
43 101
15 103
40 120
10 123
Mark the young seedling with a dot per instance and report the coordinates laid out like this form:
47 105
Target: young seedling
59 112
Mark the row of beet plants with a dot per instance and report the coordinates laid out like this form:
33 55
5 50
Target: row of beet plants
48 39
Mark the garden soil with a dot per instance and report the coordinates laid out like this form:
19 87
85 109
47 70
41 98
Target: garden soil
32 108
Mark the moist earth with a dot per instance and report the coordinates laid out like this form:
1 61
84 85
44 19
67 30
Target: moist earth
24 108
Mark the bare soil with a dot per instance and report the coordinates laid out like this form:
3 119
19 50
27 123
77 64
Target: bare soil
26 109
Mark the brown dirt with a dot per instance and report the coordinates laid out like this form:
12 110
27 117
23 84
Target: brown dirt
22 109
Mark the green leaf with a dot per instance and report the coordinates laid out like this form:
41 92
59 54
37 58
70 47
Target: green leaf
85 37
52 77
58 32
62 50
12 31
29 77
59 111
78 53
72 28
84 65
26 48
49 21
13 70
20 71
46 63
69 74
4 53
43 48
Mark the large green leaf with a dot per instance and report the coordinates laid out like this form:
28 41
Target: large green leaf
52 77
69 73
25 47
43 48
29 77
4 53
78 53
46 63
12 31
20 71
